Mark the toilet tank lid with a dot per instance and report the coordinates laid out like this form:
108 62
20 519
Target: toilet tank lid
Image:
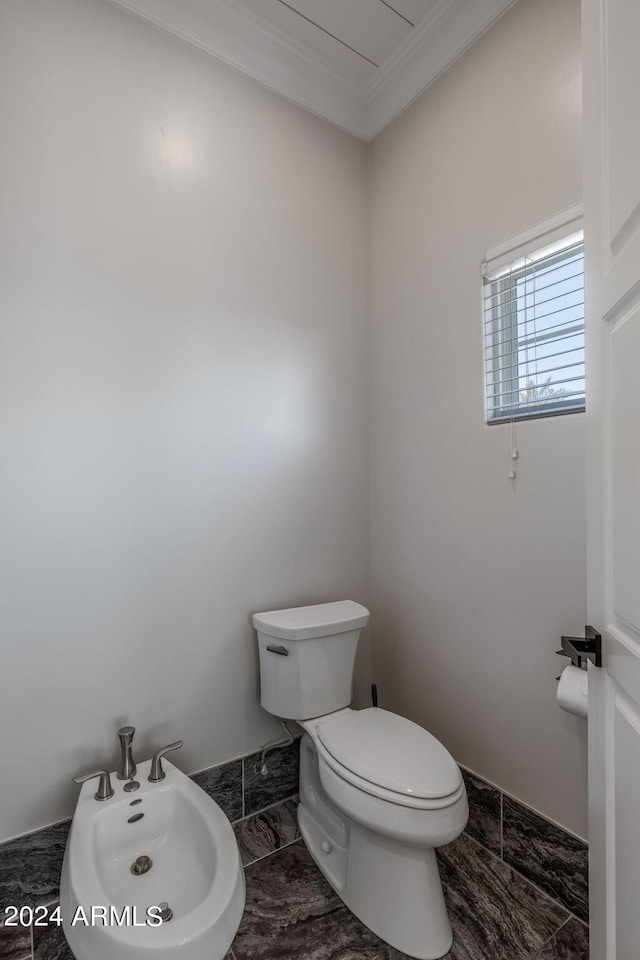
321 620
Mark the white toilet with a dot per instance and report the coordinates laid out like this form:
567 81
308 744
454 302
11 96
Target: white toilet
377 792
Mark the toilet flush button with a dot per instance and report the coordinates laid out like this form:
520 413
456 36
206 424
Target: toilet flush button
326 847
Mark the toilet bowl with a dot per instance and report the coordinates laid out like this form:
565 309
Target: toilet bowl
376 845
378 793
169 846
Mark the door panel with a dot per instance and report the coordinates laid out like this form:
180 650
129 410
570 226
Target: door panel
625 469
623 664
611 68
614 53
622 30
627 836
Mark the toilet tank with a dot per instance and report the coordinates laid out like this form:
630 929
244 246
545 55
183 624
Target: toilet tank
307 656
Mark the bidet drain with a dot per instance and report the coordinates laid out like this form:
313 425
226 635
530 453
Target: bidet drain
165 911
141 865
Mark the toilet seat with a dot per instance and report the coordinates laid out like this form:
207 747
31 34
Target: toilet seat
389 757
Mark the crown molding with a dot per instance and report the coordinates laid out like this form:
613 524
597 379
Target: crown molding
249 43
445 34
411 46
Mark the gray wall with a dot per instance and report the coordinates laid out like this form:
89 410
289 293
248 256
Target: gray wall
183 392
475 577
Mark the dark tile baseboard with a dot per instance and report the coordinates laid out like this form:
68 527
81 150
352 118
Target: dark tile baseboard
554 860
224 785
241 788
485 813
548 856
282 779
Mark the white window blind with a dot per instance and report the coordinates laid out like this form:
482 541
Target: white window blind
534 348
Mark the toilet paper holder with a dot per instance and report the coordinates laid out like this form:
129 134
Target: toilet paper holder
578 649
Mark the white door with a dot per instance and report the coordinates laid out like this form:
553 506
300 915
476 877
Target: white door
611 32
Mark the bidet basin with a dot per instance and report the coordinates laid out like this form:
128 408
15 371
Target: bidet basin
151 874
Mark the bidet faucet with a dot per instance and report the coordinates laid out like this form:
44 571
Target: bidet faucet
126 767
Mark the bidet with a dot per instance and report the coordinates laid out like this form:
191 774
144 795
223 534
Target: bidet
163 871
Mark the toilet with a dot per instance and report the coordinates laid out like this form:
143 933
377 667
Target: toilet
378 793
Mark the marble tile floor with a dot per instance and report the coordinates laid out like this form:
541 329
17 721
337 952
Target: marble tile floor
49 944
547 856
15 945
292 912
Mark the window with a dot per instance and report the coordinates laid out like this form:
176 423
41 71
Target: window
534 347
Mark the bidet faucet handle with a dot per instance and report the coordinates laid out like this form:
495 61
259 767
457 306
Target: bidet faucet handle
156 773
105 791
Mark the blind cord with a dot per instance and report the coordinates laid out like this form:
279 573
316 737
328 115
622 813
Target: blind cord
513 446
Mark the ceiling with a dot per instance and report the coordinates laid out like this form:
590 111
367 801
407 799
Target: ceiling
356 63
355 36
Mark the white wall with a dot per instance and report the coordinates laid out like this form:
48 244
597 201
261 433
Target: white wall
476 578
184 392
